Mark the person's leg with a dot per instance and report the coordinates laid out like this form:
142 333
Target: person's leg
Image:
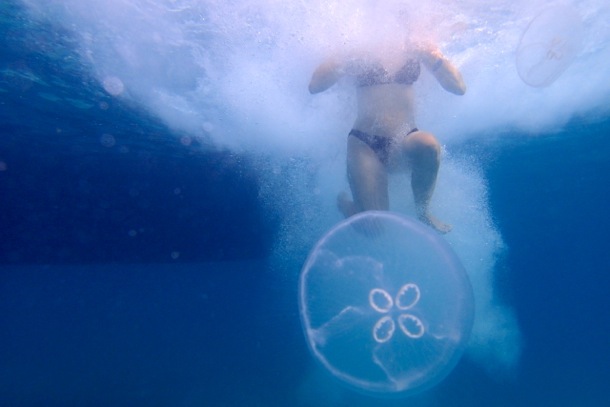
421 152
368 180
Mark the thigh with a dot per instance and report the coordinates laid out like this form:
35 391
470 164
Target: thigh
367 176
411 148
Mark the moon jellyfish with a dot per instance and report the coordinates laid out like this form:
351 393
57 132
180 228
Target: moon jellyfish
549 45
113 85
385 304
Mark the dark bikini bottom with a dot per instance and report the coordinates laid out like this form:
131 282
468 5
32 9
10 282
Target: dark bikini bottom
380 145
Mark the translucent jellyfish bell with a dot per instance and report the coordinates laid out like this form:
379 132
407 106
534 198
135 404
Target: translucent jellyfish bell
549 45
386 305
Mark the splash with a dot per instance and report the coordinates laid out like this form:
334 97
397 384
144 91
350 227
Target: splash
235 74
224 70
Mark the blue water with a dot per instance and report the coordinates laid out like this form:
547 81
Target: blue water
135 268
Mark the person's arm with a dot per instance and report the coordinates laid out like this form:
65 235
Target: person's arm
445 73
326 75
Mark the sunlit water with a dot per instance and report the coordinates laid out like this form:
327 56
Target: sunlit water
234 75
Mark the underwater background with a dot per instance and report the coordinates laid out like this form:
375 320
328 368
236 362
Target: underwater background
164 174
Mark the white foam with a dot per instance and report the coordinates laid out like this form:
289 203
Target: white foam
247 63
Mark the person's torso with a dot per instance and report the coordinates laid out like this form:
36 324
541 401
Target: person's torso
374 73
385 110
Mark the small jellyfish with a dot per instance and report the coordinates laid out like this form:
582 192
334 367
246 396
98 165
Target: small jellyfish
388 313
113 85
549 45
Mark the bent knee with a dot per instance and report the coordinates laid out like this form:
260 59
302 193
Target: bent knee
424 144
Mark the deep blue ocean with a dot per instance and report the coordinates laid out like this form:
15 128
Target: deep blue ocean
134 269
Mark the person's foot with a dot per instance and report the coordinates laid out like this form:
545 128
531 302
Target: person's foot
435 223
345 204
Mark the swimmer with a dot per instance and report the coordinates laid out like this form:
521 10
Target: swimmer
384 137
